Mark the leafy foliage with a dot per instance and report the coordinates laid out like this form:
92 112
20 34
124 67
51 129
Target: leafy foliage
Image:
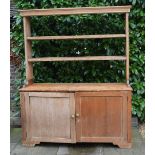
107 71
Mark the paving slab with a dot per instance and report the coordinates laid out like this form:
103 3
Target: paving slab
63 150
138 147
15 135
136 136
12 146
42 149
83 149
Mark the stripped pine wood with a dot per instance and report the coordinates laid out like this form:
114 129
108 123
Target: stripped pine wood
28 50
76 37
110 108
23 116
73 87
55 11
75 112
55 122
84 58
100 109
129 117
73 11
127 46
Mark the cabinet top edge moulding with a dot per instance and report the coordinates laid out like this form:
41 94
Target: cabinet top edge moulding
75 87
76 10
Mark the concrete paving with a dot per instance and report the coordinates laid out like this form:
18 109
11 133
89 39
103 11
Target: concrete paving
138 147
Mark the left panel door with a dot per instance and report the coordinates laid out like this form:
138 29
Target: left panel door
48 117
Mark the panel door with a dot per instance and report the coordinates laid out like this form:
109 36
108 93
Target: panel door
101 116
51 117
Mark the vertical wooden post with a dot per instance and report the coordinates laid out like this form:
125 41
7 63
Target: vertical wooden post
127 46
28 50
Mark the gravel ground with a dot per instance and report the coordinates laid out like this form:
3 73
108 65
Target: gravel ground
142 129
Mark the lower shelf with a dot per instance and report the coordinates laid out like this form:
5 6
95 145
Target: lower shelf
76 117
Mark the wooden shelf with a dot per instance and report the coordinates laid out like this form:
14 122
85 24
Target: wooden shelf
85 58
28 38
76 37
48 87
73 11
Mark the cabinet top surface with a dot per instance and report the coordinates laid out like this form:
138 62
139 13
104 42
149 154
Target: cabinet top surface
71 87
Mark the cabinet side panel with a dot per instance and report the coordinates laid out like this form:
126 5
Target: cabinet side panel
129 116
24 103
23 117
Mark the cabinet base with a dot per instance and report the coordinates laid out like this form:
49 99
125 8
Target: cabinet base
123 145
120 145
30 144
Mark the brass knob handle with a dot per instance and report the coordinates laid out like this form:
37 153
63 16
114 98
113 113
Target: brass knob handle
77 115
73 116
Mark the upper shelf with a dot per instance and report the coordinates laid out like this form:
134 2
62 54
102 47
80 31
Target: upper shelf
76 37
73 11
82 58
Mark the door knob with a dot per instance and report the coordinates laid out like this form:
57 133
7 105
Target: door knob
77 115
73 116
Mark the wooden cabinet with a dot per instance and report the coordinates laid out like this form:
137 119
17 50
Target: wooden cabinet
75 112
70 117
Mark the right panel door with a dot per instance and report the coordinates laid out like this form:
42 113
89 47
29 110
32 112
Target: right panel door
101 116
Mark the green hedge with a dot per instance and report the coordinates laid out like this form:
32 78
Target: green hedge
100 71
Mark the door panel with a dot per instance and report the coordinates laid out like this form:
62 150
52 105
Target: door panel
100 116
50 117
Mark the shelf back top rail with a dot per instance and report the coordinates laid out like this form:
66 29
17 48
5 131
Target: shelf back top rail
75 11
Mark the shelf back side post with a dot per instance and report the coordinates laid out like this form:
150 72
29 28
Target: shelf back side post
28 50
127 45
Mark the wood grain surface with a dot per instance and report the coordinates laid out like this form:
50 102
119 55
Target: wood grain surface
28 50
82 58
77 10
76 37
49 118
100 115
71 87
104 117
